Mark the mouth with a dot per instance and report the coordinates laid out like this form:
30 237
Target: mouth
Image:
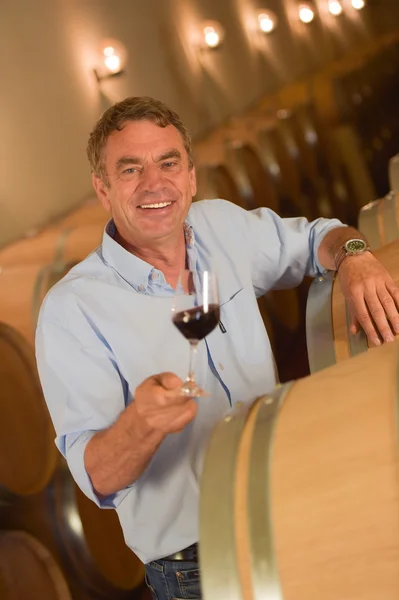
155 206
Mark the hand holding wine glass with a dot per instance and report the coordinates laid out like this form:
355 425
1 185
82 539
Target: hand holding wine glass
195 313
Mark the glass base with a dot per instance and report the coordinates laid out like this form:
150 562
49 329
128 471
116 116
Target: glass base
190 389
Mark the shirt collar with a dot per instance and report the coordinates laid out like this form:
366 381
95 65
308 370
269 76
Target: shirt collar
133 269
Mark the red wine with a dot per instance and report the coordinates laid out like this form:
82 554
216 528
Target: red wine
195 324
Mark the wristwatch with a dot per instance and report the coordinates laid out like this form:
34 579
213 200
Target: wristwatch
351 248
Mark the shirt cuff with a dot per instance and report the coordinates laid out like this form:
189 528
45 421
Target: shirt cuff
317 266
74 447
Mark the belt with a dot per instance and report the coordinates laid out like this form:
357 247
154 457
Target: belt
189 554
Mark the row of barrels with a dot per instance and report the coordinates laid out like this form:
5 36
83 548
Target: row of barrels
54 542
367 100
282 160
307 482
307 476
285 153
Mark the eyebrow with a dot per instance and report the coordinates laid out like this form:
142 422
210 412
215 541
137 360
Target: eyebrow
135 160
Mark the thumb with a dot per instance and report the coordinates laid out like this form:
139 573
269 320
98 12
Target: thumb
169 381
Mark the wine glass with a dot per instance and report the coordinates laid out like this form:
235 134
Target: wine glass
195 313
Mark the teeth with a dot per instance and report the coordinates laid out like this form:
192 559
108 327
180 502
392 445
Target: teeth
160 205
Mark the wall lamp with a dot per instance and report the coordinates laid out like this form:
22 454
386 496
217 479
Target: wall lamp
267 20
306 13
335 7
212 34
358 4
112 60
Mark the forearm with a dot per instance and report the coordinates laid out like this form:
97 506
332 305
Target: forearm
116 457
332 244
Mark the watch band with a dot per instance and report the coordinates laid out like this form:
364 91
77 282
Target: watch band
343 253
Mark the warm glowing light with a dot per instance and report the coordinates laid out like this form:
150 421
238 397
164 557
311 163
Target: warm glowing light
358 4
213 34
211 37
335 7
306 14
109 51
267 21
113 56
113 63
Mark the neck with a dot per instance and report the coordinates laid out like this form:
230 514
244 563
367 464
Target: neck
168 257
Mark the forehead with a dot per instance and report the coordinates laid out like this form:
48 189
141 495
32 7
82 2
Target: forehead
142 139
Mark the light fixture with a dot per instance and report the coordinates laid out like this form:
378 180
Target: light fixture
306 13
358 4
335 7
213 34
112 59
267 20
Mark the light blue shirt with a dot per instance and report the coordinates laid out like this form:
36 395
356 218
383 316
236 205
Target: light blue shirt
107 326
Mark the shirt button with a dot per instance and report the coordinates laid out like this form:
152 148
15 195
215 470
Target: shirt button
221 367
141 288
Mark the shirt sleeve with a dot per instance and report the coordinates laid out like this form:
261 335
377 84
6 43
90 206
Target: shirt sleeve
285 250
84 392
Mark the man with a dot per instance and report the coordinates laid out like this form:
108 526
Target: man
111 362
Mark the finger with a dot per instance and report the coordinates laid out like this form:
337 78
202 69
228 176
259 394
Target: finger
393 289
364 320
354 326
172 418
184 418
378 315
388 302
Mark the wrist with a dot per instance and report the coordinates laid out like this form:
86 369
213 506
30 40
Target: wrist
347 258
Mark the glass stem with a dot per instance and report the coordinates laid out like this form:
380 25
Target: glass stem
193 354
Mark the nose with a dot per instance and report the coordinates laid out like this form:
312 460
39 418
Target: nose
152 179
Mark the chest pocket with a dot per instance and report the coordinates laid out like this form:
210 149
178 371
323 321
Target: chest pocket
244 326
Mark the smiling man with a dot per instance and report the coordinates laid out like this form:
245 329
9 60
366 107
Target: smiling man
111 361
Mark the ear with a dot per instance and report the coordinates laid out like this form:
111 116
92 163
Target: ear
193 181
102 191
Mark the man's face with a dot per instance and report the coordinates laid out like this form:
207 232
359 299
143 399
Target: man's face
146 166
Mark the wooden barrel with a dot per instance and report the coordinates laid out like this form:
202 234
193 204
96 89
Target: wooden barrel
394 173
28 571
379 220
307 488
254 181
312 186
71 243
89 213
275 155
22 290
86 541
92 542
216 181
328 317
28 455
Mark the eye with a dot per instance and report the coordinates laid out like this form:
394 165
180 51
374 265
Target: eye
169 164
129 170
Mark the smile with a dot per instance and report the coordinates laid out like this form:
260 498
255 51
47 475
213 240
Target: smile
159 205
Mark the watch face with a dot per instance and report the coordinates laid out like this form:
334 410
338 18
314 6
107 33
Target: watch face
355 246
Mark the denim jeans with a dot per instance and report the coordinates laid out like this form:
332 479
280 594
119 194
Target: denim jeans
173 580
